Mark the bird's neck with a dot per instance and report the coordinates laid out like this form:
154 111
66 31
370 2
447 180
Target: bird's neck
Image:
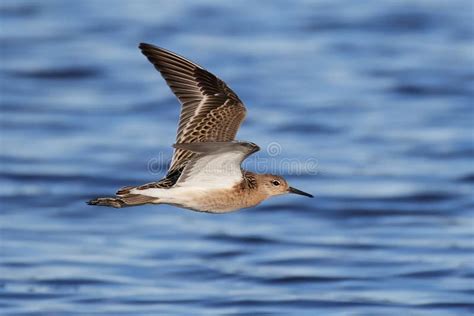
249 189
250 181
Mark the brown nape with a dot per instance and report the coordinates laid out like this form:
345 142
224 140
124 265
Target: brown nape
123 201
250 180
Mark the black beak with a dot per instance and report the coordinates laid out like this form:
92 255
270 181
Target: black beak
296 191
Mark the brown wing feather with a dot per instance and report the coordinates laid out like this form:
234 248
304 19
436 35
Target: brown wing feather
210 111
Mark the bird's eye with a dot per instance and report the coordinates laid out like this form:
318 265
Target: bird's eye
276 183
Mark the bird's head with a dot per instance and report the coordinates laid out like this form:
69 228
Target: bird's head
272 185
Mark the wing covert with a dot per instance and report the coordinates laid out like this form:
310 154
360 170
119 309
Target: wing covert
210 112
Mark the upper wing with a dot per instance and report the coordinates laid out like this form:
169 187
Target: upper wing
211 111
216 164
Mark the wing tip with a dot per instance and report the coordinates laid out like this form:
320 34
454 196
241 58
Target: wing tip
144 45
146 48
252 146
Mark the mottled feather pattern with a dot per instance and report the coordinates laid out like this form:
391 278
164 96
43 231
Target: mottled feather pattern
211 111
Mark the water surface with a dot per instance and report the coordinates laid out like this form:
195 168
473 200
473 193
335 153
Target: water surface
375 95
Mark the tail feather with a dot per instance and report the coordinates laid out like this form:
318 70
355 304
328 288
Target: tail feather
125 190
123 201
112 202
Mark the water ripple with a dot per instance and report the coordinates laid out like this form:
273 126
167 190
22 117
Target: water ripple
378 93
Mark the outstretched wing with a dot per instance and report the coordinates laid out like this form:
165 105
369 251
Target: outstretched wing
210 112
215 165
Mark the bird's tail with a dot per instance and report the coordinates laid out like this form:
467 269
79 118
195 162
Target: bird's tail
123 201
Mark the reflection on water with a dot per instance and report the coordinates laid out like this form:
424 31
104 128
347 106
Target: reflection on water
379 94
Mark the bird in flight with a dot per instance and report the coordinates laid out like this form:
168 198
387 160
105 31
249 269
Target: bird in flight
205 173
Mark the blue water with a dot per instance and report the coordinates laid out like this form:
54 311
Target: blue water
371 102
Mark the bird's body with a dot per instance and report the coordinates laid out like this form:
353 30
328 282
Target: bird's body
204 199
205 172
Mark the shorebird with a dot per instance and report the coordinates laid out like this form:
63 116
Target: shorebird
205 173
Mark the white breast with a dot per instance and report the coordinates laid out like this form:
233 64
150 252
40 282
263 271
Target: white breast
213 171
